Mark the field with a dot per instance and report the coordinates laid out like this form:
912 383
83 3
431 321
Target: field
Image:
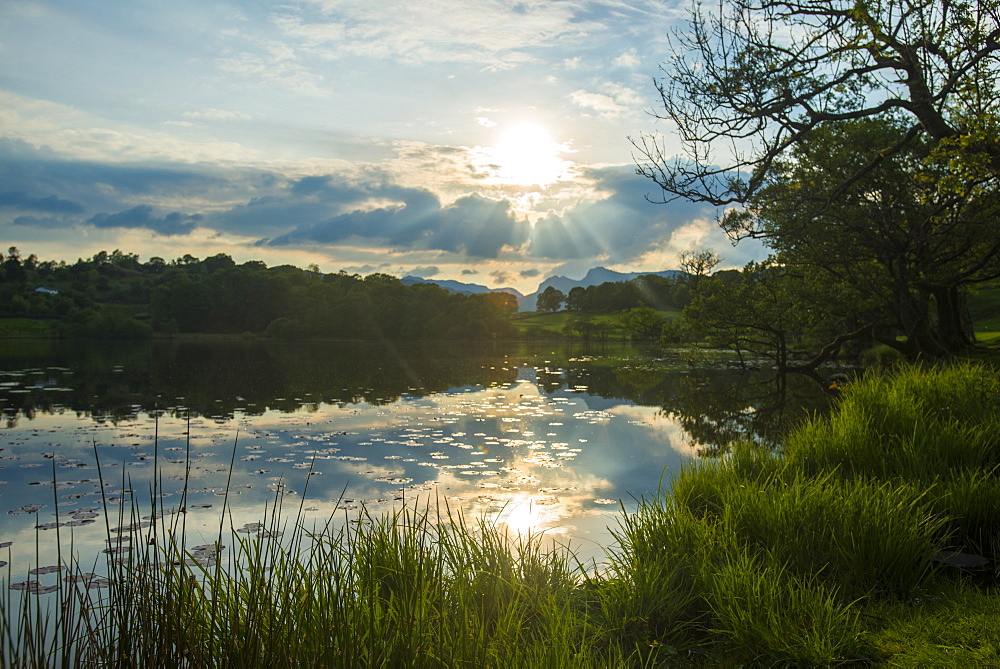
542 325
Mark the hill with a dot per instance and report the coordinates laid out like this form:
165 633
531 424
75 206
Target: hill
459 287
594 277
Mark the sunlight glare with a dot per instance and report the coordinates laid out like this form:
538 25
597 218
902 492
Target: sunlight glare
527 155
521 515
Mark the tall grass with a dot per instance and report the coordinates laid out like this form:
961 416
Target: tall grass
755 558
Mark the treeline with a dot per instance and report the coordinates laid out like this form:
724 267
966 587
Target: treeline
116 295
656 292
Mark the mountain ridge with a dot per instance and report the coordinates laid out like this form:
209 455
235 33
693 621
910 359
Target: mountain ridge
595 276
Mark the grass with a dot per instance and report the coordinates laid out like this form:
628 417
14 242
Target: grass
28 327
546 325
821 554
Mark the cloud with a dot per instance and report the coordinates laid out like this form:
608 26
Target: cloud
619 228
211 114
49 204
629 59
501 277
425 272
469 272
529 273
496 35
174 223
39 223
612 101
472 225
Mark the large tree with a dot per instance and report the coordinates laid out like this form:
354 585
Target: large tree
861 137
753 78
894 234
550 299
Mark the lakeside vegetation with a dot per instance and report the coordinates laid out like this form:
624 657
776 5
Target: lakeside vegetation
116 296
749 311
843 547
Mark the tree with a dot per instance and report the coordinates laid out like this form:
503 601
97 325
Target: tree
757 77
642 322
503 300
577 298
550 299
768 311
910 247
696 264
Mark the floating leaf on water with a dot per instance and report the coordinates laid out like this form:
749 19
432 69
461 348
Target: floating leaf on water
34 587
6 544
51 569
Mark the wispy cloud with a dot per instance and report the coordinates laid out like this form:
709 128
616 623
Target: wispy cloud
497 35
211 114
610 101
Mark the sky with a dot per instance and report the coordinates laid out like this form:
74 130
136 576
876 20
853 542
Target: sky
486 142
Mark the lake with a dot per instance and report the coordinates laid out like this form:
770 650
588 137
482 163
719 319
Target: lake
532 437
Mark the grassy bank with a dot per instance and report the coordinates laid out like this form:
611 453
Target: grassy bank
844 548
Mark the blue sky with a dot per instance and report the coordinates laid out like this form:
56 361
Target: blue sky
480 141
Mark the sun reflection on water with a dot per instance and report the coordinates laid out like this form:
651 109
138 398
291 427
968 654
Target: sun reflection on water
526 460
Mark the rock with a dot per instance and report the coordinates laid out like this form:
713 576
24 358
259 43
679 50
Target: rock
960 560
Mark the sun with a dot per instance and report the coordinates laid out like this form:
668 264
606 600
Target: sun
526 155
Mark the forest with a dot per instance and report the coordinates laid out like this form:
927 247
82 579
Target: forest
114 295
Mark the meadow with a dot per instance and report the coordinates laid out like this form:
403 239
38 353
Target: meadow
869 537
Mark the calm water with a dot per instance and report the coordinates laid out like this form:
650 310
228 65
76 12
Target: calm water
531 437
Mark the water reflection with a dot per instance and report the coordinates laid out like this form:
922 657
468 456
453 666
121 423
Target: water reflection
530 439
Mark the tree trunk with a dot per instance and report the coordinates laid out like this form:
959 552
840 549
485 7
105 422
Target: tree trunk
914 313
954 326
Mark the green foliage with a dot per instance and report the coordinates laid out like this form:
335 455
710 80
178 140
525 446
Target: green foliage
657 292
881 356
956 624
550 299
642 322
102 297
765 310
909 254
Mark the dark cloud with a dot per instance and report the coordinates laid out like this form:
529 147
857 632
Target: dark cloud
530 273
475 225
35 222
366 208
618 228
469 272
50 204
365 270
327 188
424 272
174 223
501 277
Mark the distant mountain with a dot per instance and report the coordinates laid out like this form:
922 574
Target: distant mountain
595 277
459 287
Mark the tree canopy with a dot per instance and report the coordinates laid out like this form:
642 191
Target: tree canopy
860 139
753 78
115 295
